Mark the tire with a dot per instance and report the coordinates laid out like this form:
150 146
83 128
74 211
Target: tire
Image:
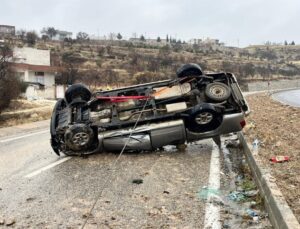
79 137
189 70
217 92
77 93
60 105
203 118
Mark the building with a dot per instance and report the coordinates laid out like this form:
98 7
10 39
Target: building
7 30
61 35
33 67
148 41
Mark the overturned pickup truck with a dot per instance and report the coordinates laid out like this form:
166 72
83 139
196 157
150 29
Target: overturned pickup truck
148 116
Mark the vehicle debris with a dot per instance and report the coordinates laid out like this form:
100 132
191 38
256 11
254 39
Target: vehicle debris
206 192
251 212
279 159
255 145
236 196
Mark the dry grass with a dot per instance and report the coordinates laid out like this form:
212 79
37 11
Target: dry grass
24 111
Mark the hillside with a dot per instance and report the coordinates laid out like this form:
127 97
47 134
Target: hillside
102 63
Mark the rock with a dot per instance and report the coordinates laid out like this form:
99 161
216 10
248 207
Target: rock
137 181
86 215
34 115
166 192
30 199
10 222
251 193
226 226
2 221
255 218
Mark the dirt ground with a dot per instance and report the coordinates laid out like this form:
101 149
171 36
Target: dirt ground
24 111
277 127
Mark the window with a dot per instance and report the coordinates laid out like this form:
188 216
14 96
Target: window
39 77
39 73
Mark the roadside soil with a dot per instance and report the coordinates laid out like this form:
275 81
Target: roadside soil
24 111
277 128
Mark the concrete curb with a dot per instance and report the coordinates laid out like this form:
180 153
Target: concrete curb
280 214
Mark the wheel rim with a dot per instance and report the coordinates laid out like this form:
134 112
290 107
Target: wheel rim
204 118
81 139
218 91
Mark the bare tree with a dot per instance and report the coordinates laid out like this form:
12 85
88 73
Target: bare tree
70 68
21 33
119 36
142 38
49 31
82 36
91 78
112 36
45 37
31 38
9 83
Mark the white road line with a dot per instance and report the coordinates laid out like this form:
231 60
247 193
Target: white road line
212 211
23 136
30 175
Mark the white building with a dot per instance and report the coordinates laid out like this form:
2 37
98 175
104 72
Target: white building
33 66
7 30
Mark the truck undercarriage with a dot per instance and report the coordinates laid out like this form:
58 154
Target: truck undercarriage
148 116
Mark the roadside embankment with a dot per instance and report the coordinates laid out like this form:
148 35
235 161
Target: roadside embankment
23 111
276 128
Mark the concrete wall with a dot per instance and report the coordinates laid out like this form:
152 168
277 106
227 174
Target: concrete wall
49 78
31 56
33 92
279 84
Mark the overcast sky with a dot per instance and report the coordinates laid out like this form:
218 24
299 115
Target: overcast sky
234 22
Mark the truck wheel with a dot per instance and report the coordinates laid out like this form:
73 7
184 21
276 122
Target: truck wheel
78 92
189 70
217 92
203 118
79 137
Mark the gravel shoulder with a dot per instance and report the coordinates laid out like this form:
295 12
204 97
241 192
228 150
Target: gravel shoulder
276 126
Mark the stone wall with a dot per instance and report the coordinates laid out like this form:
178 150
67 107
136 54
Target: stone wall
273 85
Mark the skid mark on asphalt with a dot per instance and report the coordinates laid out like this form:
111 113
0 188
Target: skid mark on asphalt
30 175
212 211
23 136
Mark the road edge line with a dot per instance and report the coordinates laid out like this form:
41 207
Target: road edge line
280 214
36 172
212 211
23 136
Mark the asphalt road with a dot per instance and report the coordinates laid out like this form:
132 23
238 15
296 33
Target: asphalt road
291 97
41 190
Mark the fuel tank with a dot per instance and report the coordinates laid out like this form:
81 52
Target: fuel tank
144 137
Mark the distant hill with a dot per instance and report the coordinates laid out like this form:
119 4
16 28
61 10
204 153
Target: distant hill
122 62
